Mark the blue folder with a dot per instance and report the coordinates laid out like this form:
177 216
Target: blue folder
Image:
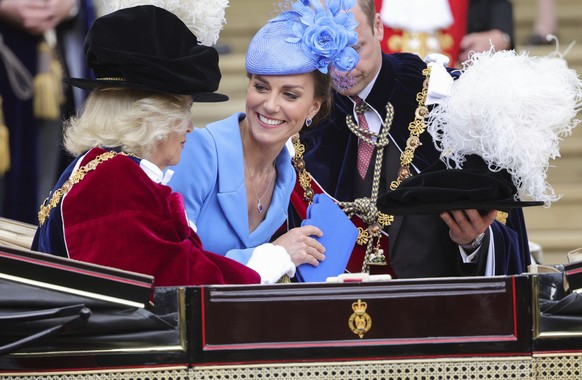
339 238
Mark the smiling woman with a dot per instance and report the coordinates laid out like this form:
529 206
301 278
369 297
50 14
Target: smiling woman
239 198
277 107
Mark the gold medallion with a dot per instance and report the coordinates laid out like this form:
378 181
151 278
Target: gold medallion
377 257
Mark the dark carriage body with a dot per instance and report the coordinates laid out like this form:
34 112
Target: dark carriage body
480 327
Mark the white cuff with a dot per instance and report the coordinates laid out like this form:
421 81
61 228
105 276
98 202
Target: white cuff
490 252
271 262
466 257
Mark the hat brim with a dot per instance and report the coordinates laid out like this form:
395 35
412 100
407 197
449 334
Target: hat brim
91 84
444 190
395 207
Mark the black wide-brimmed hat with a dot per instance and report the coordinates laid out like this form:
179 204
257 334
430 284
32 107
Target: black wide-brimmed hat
148 48
474 187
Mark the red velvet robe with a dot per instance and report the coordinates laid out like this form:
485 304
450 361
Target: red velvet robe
117 216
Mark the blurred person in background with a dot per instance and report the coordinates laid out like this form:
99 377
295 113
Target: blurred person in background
449 27
545 23
41 40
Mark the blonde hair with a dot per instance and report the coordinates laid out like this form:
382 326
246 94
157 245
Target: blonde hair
133 120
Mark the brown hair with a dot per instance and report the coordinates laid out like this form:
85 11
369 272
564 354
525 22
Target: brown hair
322 92
369 9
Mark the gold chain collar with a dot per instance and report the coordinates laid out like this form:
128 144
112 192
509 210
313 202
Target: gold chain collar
416 128
366 207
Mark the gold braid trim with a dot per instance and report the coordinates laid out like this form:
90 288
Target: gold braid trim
56 196
302 174
284 280
111 79
366 207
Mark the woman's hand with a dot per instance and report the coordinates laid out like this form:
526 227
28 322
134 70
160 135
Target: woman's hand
301 246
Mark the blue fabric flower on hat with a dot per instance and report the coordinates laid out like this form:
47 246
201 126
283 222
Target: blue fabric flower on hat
326 34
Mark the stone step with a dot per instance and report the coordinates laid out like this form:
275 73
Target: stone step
556 244
572 145
234 80
204 113
566 169
244 19
573 56
568 14
525 11
563 213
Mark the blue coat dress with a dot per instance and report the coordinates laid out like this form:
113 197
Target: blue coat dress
210 176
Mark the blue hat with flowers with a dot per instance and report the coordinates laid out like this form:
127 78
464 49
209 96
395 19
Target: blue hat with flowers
309 36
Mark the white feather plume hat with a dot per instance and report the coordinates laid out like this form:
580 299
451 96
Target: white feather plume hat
512 110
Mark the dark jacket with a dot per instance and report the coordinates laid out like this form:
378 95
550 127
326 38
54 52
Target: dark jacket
419 245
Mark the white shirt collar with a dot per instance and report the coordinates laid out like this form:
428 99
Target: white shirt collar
155 173
373 117
366 91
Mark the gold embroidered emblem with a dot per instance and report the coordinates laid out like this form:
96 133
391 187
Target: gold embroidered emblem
385 219
502 216
360 322
363 236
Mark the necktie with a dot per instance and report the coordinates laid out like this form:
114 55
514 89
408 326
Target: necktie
365 149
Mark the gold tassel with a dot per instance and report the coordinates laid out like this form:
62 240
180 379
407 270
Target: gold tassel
4 142
48 91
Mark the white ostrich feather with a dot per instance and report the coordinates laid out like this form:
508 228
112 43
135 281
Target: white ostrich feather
512 110
205 18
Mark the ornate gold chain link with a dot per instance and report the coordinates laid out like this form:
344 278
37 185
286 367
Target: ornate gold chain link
56 196
416 128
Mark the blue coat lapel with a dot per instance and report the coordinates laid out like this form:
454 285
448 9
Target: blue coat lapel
231 192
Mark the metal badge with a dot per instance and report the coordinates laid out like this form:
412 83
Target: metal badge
360 322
